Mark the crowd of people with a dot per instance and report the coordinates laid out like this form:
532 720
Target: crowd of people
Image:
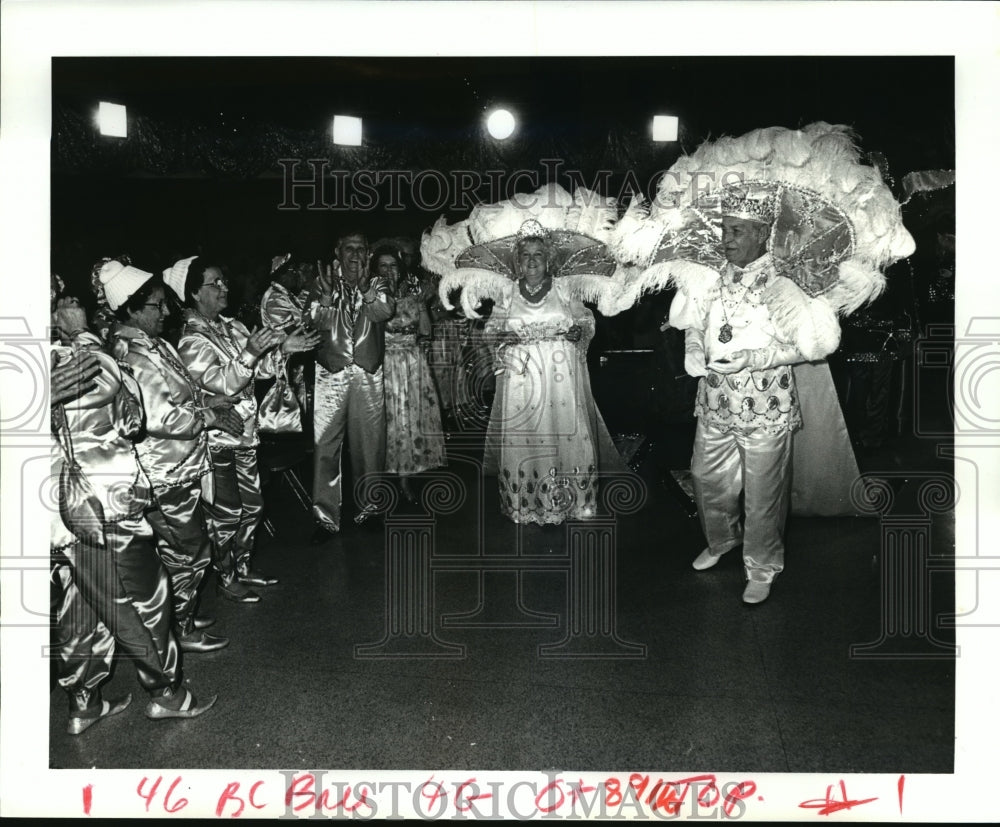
157 428
156 435
157 440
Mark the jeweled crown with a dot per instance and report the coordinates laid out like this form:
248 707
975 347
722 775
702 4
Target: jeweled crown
532 228
750 203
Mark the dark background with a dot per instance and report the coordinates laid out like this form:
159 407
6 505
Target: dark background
199 172
199 169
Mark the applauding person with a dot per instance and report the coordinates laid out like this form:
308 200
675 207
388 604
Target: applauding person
223 358
350 310
174 450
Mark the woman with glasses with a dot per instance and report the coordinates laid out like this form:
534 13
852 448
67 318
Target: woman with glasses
224 358
174 452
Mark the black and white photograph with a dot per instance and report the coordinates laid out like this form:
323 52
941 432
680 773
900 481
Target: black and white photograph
498 410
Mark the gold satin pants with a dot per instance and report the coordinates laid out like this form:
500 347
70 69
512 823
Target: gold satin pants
351 404
759 466
238 507
124 587
183 545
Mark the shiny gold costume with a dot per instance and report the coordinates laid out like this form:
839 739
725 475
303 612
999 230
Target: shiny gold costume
174 455
349 392
211 352
115 587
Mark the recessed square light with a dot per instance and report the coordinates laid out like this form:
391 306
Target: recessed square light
346 130
111 120
665 127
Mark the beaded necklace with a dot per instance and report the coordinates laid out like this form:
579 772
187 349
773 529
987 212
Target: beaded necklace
532 293
156 345
726 329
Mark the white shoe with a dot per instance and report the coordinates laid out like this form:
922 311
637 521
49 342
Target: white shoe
705 560
756 592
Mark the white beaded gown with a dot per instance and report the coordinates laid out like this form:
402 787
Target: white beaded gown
546 440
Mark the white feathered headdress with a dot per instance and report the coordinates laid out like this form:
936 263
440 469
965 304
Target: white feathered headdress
836 226
477 254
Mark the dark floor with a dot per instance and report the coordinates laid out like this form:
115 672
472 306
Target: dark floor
682 674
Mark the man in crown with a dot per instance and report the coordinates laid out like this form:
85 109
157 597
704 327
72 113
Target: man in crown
746 404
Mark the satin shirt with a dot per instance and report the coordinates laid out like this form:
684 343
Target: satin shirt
279 308
174 451
210 351
101 425
353 327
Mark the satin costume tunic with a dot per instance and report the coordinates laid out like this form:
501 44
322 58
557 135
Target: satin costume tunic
283 311
753 399
279 308
353 327
101 427
174 452
210 351
746 419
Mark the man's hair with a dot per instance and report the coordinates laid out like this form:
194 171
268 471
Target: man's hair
353 233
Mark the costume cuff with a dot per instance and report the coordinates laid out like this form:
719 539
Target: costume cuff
694 341
772 357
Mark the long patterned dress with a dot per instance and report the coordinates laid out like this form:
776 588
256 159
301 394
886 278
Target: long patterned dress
546 441
414 436
450 332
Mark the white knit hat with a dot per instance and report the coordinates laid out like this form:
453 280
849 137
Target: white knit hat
121 281
175 277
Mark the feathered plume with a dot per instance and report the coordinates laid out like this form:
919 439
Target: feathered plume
810 167
582 226
441 244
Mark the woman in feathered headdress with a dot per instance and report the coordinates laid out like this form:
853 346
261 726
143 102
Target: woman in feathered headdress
538 257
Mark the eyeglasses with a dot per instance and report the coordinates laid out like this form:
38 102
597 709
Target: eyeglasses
220 284
163 305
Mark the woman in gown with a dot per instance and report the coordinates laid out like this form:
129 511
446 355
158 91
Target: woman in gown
414 436
546 440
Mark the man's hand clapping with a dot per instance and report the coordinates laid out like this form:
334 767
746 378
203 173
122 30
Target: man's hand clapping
327 280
